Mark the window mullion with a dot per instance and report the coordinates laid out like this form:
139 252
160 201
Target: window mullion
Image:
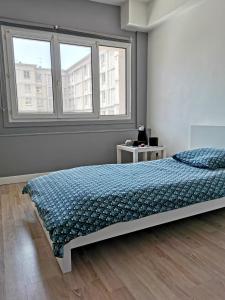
56 76
96 80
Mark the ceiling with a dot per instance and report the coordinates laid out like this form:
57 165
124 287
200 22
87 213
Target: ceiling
115 2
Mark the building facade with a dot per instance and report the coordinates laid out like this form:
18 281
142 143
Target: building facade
34 85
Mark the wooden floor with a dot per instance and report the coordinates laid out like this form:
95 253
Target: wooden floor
181 260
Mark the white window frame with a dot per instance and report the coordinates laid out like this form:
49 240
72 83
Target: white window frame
127 47
55 39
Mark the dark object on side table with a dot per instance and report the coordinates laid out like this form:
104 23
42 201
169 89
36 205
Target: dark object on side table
135 144
142 137
153 141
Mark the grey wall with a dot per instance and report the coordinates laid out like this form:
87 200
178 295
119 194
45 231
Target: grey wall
186 70
33 148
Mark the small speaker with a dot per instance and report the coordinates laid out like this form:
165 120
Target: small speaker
153 141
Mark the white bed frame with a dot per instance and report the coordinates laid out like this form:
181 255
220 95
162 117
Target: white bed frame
128 227
200 136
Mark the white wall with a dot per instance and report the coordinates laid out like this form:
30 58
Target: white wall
160 9
186 73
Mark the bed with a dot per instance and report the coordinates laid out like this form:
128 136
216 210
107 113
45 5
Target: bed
87 204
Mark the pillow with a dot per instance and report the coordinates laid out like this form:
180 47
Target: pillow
206 158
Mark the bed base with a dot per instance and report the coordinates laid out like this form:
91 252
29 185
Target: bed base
132 226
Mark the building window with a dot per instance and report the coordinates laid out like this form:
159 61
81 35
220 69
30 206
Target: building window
39 60
102 79
102 59
26 74
38 89
68 76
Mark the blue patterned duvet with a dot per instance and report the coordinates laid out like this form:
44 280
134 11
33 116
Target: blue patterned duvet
83 200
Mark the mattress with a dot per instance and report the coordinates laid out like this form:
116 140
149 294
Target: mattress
83 200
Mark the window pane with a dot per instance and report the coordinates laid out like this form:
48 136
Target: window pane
112 80
33 76
76 75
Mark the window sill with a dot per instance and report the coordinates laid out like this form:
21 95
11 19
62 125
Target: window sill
67 122
68 132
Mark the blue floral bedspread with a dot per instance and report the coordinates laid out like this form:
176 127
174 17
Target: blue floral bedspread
83 200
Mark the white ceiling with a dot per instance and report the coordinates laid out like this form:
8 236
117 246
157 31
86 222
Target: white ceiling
115 2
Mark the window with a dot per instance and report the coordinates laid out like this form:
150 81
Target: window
38 89
116 81
37 58
74 62
26 74
102 58
102 79
66 77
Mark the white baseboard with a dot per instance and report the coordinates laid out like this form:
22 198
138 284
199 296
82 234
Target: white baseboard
19 178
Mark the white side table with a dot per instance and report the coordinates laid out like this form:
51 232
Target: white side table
135 150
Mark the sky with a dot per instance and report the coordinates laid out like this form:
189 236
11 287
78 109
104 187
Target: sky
38 53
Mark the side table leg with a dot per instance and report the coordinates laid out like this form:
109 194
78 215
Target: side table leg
163 153
119 156
135 156
145 156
